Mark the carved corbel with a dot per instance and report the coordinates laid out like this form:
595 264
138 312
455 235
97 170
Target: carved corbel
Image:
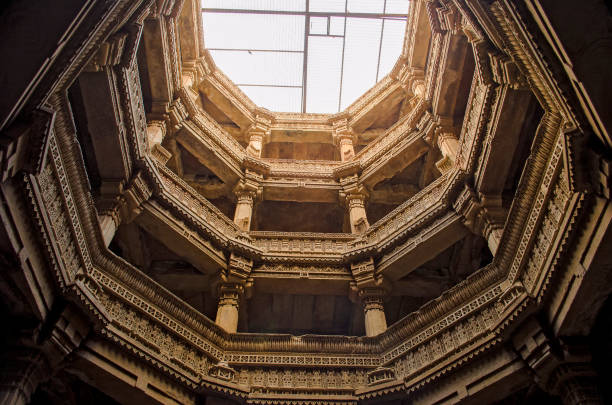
380 375
222 371
134 196
156 132
24 145
239 270
109 53
506 72
177 115
118 203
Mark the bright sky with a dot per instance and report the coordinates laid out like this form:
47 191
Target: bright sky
348 45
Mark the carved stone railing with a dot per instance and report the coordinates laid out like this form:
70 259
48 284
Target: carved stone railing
302 168
300 244
383 143
410 212
303 271
208 217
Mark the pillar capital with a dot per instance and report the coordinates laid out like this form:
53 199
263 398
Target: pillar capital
247 191
238 269
230 293
354 195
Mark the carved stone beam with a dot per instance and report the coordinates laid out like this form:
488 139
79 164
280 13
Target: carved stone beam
344 139
354 198
246 193
258 134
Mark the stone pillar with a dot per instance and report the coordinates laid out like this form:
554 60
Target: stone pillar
235 282
347 151
23 369
374 311
418 88
355 200
448 143
369 289
244 207
227 311
258 134
108 226
255 145
580 391
344 139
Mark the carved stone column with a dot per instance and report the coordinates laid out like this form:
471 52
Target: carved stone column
418 88
120 204
22 371
373 310
235 282
483 215
246 193
355 202
156 132
448 143
257 134
576 384
560 369
369 289
31 356
344 139
227 311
